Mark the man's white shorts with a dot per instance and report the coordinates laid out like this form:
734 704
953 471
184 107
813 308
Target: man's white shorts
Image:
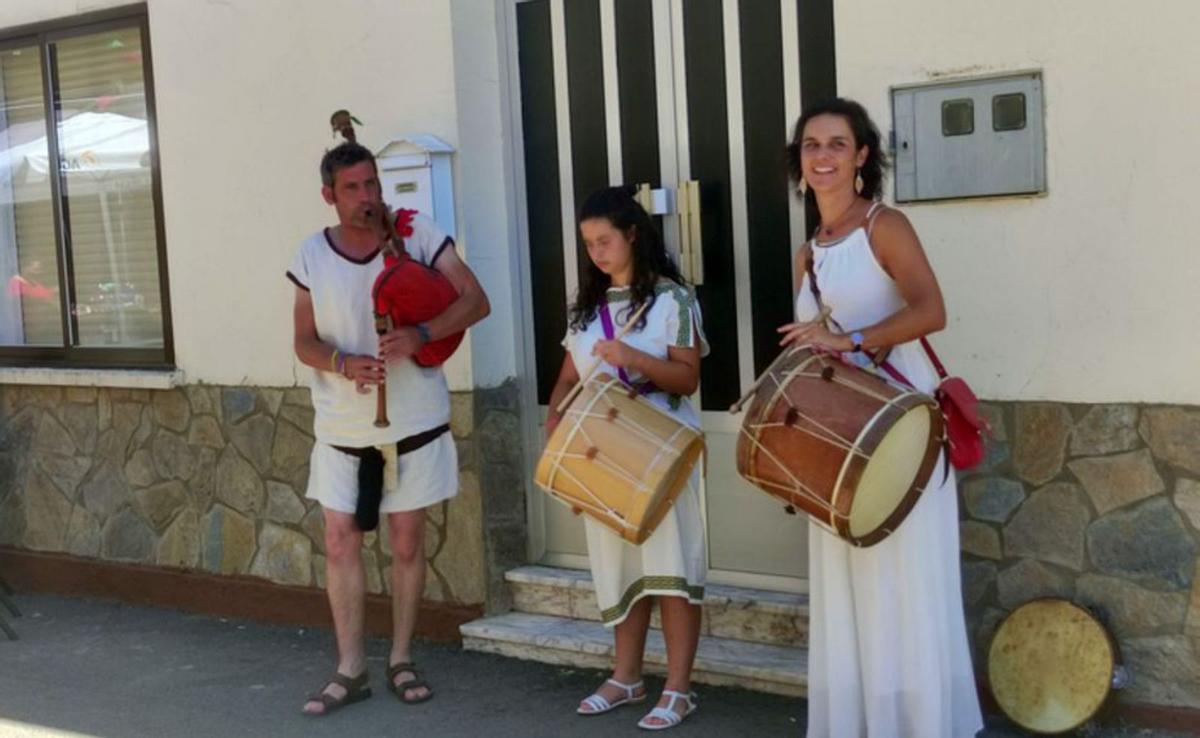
427 476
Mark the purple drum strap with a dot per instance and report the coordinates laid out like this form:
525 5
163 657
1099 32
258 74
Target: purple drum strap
606 322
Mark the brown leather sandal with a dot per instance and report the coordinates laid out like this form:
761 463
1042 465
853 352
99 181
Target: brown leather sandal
356 691
401 689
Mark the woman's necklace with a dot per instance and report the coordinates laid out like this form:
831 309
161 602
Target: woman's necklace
837 222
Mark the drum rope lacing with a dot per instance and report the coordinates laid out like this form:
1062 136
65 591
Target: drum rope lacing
598 505
818 430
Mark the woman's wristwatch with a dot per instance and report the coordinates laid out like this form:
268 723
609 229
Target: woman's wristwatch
857 338
424 331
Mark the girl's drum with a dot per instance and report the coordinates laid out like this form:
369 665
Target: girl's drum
839 443
1052 665
618 458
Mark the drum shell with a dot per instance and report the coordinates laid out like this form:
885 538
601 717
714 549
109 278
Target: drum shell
635 478
850 408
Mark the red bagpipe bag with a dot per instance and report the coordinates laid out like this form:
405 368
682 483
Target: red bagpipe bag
410 293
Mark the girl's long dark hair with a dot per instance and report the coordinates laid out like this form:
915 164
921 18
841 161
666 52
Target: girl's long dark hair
650 259
865 134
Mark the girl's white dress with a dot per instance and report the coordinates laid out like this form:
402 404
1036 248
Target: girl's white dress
673 561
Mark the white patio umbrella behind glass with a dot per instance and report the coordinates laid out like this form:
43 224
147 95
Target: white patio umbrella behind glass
102 155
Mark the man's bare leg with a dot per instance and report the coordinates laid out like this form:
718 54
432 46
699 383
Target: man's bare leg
346 586
407 540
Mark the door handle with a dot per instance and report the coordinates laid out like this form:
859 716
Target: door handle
665 201
684 202
692 256
660 201
642 196
685 233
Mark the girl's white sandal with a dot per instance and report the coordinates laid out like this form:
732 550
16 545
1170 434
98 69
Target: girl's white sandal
599 704
667 714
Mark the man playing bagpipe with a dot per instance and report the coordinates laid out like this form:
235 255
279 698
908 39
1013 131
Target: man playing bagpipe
376 452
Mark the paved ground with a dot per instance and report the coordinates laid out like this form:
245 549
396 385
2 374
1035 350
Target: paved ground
93 668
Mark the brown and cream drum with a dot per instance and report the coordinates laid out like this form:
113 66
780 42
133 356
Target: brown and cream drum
838 442
618 458
1052 665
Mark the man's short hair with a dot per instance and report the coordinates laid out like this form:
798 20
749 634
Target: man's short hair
342 156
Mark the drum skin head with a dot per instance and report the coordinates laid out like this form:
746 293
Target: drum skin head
1050 666
891 472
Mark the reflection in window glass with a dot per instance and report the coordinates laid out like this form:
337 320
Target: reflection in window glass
108 203
958 117
1008 112
30 304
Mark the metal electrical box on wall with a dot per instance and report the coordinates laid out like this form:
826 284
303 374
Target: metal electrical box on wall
416 173
969 138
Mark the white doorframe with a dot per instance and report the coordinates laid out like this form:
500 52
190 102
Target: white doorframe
531 420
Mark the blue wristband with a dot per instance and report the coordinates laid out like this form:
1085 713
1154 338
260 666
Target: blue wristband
424 331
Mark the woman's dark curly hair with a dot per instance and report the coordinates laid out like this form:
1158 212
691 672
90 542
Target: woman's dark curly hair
650 259
865 134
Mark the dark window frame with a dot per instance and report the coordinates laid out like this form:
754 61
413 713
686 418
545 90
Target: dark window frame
42 35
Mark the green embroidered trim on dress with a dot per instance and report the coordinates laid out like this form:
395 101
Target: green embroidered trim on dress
684 299
678 584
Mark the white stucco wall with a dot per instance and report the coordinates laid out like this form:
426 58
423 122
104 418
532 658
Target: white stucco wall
1088 293
1084 294
244 92
485 184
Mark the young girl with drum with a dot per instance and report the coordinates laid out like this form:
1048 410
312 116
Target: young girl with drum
889 653
660 356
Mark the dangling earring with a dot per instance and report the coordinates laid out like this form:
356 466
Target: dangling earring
858 181
802 187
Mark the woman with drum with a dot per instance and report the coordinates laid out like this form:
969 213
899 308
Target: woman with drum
659 356
889 654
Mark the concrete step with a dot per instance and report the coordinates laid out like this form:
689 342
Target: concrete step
737 613
588 644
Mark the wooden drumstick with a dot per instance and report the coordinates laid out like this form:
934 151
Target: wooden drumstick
585 376
736 407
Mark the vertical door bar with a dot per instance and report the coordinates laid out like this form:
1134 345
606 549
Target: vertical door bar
672 128
818 68
737 177
612 98
542 186
789 23
703 99
639 83
566 173
588 117
763 109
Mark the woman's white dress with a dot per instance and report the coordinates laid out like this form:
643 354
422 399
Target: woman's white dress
888 652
